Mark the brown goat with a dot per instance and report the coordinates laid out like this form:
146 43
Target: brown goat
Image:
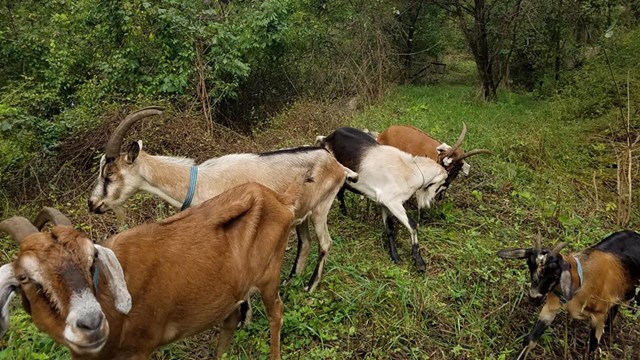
590 284
155 283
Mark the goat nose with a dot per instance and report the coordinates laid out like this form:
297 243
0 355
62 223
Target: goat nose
90 322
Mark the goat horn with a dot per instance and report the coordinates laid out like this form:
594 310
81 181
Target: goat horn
18 227
471 153
50 214
112 150
557 249
458 142
537 243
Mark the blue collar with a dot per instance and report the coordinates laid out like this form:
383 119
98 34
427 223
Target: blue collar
193 180
96 278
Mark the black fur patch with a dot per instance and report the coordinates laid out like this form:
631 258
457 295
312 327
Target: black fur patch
349 145
294 150
625 245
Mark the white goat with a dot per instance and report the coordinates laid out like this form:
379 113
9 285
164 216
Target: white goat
124 174
389 177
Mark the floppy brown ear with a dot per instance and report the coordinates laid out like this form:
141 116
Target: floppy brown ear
514 253
8 285
566 283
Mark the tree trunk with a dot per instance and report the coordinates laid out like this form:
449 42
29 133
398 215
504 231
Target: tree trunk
481 52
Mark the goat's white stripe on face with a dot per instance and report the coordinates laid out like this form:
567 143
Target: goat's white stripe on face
31 265
82 304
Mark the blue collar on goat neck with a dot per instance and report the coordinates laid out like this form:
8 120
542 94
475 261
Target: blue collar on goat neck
193 180
563 300
96 278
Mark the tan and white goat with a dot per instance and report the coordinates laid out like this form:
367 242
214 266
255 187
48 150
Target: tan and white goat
155 283
124 174
415 142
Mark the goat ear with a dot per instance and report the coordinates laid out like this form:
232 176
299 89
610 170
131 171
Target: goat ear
465 168
514 253
8 285
566 283
134 151
110 266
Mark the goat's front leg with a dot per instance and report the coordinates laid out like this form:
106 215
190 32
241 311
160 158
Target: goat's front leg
597 329
400 213
391 234
229 326
304 246
548 313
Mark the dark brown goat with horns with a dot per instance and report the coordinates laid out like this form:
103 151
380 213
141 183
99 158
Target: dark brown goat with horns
155 283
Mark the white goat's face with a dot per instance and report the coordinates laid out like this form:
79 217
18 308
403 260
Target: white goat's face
118 180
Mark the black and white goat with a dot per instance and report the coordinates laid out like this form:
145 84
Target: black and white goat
389 177
590 284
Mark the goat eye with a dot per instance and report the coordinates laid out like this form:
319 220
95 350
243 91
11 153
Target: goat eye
23 278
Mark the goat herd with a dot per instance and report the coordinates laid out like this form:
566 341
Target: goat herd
156 283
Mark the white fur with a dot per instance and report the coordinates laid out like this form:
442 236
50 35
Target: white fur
8 282
109 264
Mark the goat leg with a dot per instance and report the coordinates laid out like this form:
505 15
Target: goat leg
274 308
343 205
227 329
597 329
390 233
545 318
304 246
319 220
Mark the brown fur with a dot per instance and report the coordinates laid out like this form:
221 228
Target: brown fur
598 293
413 141
185 274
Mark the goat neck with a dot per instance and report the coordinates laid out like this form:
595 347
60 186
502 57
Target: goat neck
166 177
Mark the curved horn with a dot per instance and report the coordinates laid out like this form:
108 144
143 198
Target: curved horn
112 149
458 142
18 227
557 249
50 214
471 153
537 243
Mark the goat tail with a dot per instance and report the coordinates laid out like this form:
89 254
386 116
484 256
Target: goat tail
352 176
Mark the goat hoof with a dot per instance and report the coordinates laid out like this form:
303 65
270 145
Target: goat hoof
421 268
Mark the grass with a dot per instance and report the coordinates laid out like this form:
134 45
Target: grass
468 304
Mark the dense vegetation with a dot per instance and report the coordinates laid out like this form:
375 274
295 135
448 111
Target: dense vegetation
257 75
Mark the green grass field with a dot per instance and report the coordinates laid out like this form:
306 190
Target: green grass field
549 174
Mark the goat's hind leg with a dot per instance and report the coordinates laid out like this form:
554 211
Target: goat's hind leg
319 219
391 234
401 214
227 329
304 246
274 308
